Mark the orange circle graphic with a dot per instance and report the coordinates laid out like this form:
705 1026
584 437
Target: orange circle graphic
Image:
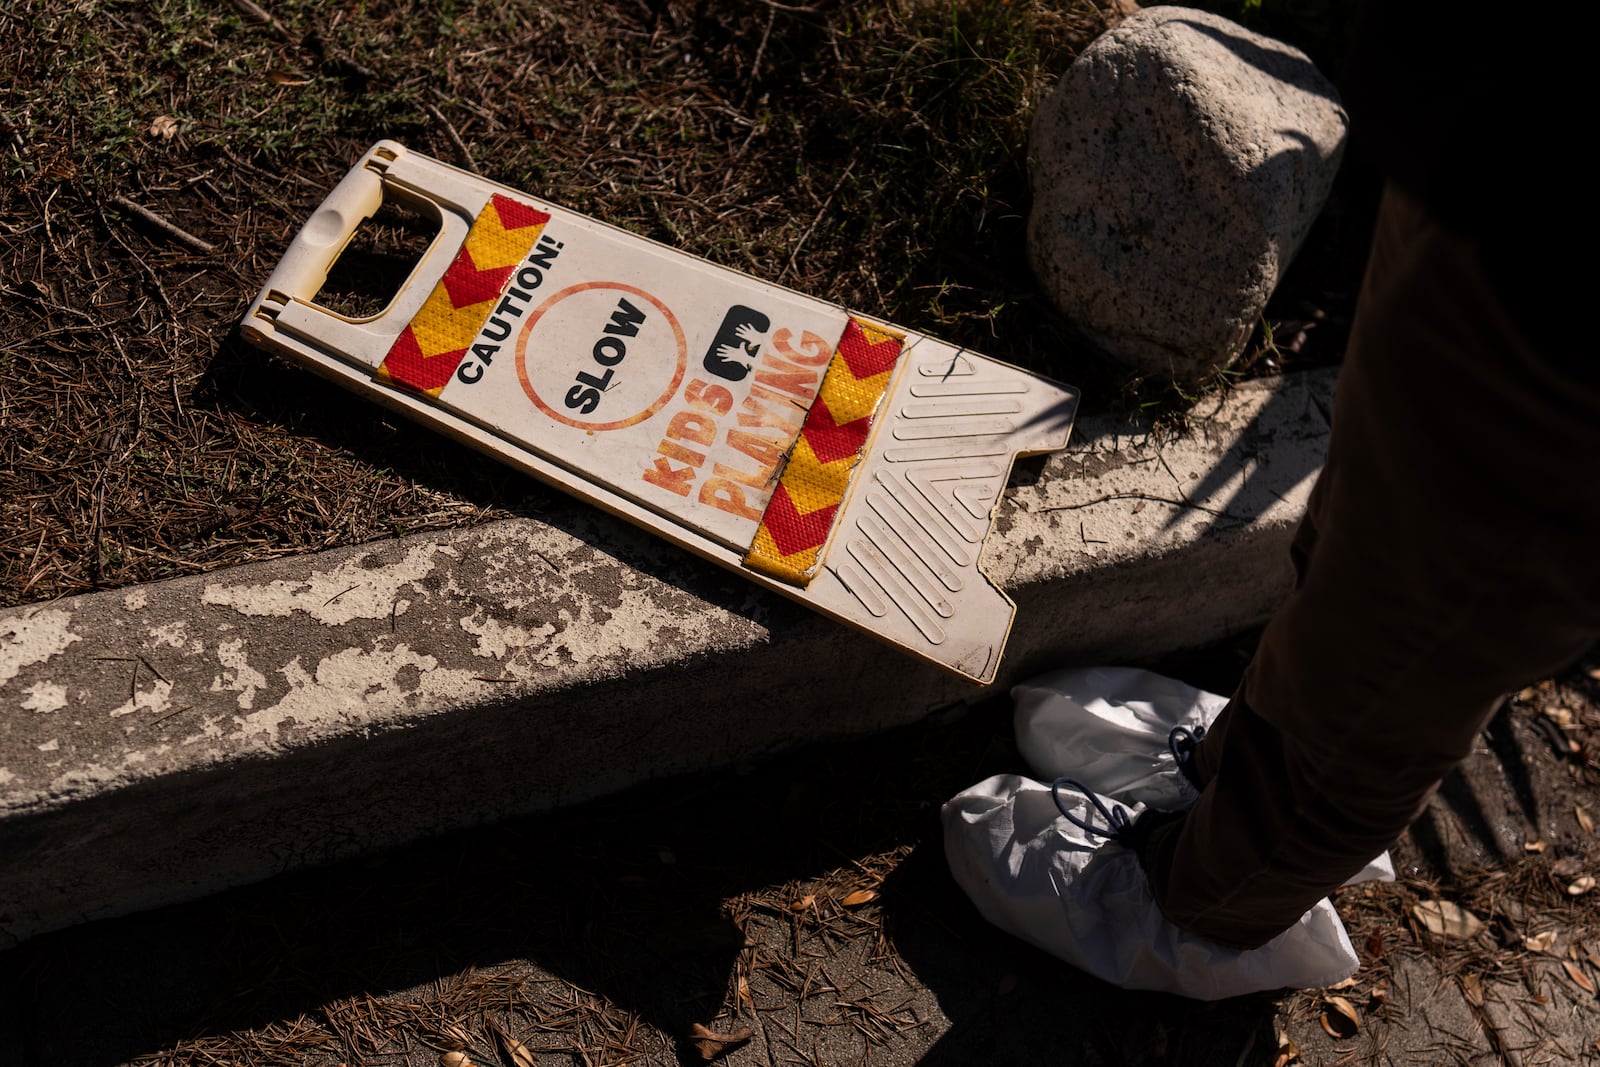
572 290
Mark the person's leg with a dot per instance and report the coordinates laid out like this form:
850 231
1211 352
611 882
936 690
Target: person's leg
1203 762
1447 557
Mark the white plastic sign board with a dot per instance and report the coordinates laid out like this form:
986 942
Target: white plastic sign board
842 461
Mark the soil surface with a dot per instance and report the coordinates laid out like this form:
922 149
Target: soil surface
801 908
159 156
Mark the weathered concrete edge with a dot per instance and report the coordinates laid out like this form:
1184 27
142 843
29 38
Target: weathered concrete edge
163 741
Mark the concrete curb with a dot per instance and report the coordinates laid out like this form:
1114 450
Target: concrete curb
164 741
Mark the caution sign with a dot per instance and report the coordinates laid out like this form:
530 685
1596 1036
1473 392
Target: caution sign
605 354
842 461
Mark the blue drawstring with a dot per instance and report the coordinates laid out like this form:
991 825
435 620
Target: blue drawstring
1116 816
1183 743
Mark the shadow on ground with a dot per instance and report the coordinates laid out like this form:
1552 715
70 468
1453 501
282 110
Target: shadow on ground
642 915
623 899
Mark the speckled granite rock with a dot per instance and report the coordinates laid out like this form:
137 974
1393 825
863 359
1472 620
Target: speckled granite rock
1176 168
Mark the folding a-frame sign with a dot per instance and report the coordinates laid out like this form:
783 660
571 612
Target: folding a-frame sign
842 461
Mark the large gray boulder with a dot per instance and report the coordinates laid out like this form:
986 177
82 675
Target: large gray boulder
1176 168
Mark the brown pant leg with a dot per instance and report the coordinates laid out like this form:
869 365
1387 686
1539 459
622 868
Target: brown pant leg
1448 556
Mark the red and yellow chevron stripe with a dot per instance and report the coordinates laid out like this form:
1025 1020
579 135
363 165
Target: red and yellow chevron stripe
430 348
799 517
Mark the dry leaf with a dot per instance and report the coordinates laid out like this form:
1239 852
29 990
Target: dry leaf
1585 822
1288 1051
1339 1017
518 1053
1560 716
1583 981
283 77
803 903
453 1038
859 897
455 1059
1157 1049
1380 992
1348 983
1581 886
1533 846
1375 943
1527 694
711 1044
1444 919
1472 989
1540 942
164 127
744 993
1567 867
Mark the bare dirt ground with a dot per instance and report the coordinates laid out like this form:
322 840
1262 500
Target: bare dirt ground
158 155
868 154
801 909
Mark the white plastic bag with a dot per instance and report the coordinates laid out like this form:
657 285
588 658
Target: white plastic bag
1108 728
1034 874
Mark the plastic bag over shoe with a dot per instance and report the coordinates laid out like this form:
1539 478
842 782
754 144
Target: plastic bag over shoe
1035 875
1108 728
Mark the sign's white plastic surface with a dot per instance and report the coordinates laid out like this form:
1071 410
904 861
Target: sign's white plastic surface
842 461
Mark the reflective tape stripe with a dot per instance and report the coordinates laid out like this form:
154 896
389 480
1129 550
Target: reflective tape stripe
430 348
799 518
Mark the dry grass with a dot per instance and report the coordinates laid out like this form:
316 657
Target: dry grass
871 154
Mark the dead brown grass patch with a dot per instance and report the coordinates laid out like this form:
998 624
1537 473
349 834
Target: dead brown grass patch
158 157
